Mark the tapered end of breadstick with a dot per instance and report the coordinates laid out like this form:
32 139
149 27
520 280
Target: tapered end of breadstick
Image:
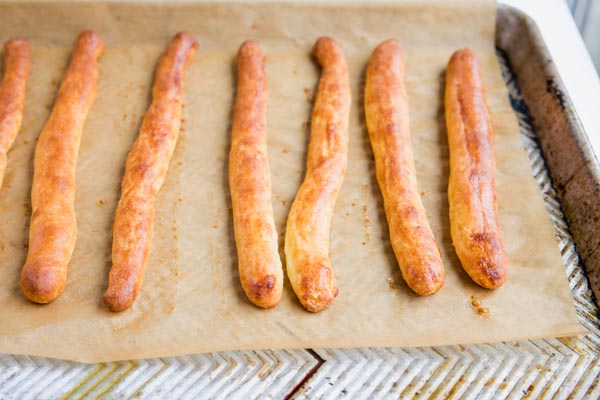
90 41
117 299
465 63
249 47
388 46
41 285
314 284
185 41
265 292
328 52
490 270
250 62
16 42
426 280
16 57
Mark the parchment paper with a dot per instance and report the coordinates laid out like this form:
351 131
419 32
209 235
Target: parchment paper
191 300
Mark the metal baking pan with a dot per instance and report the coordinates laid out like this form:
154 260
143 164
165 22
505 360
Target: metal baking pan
568 174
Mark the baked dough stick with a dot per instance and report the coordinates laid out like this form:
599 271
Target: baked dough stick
386 109
250 184
474 224
309 221
145 170
12 95
53 229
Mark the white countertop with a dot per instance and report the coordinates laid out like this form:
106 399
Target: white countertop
571 59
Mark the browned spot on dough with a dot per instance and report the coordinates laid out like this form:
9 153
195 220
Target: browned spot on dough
262 289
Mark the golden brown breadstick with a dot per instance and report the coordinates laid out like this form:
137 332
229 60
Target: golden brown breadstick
259 264
386 109
53 230
12 95
474 224
309 222
145 170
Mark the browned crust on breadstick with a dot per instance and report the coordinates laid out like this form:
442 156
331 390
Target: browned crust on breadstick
309 222
474 223
386 109
53 230
12 95
145 170
259 264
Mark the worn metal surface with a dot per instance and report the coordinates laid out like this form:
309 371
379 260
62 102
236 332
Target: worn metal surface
553 368
573 166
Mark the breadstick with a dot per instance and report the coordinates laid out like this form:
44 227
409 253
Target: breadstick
53 229
386 109
145 170
474 224
12 95
309 222
259 264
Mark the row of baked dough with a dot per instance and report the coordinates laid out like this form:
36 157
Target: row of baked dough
473 212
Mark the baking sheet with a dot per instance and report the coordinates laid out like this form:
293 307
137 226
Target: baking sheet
191 300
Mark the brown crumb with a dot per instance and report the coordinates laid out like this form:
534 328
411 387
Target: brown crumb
285 151
366 218
478 307
102 202
26 141
530 388
253 26
308 94
392 284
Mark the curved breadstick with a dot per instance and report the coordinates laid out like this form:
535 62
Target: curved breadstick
474 224
386 109
259 264
309 221
12 95
145 170
53 230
